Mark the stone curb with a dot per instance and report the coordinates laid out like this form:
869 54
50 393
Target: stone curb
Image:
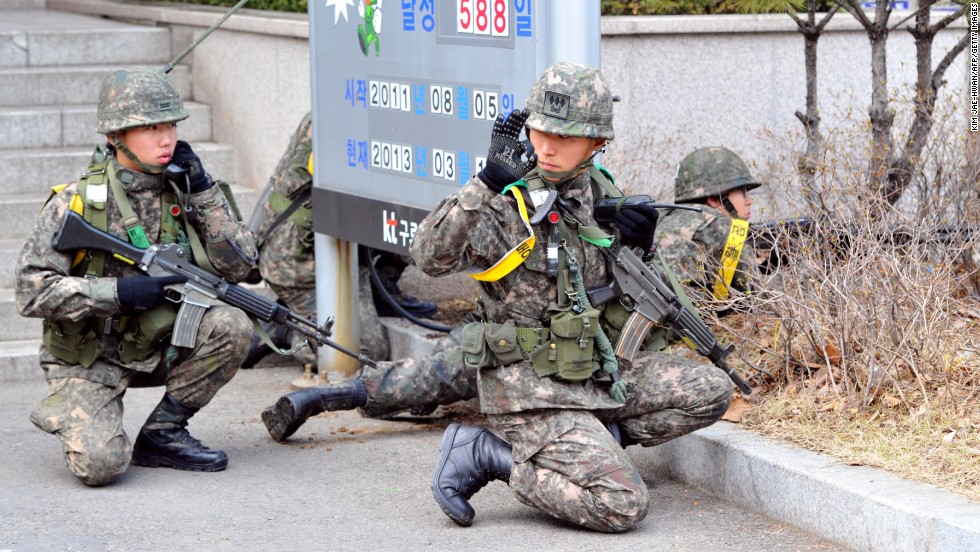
859 507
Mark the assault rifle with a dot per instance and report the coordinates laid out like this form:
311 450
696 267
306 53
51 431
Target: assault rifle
774 240
654 302
199 292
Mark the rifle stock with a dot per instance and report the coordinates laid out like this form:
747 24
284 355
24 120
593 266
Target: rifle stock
200 290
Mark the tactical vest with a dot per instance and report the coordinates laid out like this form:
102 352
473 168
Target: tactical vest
565 348
81 341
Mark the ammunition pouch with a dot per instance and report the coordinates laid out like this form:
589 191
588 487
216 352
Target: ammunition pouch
146 333
487 344
568 345
74 342
474 346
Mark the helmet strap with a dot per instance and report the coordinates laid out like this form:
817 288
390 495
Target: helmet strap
729 206
147 168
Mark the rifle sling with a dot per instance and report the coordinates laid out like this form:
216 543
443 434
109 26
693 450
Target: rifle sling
285 214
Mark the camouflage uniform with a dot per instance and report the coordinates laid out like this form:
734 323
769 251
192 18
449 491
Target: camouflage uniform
84 405
693 243
565 462
419 384
287 262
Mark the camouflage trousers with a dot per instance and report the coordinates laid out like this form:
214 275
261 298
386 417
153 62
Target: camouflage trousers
87 415
567 464
409 383
302 301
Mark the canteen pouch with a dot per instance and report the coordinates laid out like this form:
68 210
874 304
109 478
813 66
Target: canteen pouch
567 355
146 332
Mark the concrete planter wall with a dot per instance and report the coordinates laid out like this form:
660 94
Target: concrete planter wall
685 82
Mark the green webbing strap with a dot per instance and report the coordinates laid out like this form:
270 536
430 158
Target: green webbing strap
267 339
94 213
605 180
132 223
606 354
292 209
197 247
530 339
595 236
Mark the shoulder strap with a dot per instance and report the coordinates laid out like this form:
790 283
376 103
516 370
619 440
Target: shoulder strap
285 214
130 221
92 193
606 182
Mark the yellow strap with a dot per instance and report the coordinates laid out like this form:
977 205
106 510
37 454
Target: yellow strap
730 257
309 164
515 256
78 206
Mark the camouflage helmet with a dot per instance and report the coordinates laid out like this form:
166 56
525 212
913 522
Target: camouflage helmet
571 99
136 97
709 172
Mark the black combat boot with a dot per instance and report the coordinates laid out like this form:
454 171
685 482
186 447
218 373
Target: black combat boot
415 307
469 458
164 441
291 411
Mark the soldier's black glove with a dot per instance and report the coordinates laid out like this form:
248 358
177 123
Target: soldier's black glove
185 158
636 224
142 293
504 161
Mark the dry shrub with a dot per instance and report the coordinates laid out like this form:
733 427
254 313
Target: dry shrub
871 302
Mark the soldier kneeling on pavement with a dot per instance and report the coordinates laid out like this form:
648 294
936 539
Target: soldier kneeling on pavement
106 325
287 263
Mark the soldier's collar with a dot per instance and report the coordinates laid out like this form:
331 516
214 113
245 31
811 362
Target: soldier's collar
135 180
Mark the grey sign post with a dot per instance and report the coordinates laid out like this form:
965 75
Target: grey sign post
405 93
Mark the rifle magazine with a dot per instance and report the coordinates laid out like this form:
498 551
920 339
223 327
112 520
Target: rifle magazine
632 335
185 327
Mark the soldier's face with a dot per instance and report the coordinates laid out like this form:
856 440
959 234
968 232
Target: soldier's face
558 153
742 202
153 145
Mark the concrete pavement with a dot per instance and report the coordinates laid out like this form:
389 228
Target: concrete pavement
342 483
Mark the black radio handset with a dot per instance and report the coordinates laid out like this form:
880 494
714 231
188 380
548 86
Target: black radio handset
175 173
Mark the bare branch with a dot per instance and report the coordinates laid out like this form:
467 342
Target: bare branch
826 18
944 22
937 75
927 5
854 8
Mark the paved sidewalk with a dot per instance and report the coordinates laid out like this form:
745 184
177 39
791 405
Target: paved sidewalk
342 483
